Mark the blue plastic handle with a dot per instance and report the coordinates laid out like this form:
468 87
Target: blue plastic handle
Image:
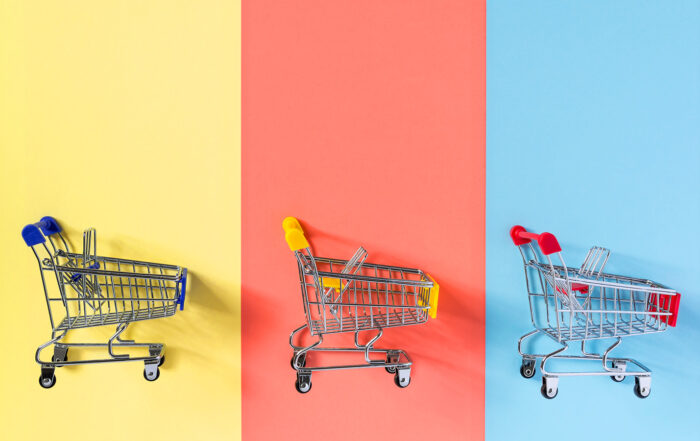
49 226
183 289
32 233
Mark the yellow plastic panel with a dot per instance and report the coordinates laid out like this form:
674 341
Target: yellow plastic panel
331 282
434 293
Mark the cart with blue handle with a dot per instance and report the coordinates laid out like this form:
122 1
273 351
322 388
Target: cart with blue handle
352 296
585 304
92 290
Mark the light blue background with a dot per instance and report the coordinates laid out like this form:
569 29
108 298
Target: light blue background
593 134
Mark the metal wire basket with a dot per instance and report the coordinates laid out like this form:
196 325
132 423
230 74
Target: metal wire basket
95 290
350 296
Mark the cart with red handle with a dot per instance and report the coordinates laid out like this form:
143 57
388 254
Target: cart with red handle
584 304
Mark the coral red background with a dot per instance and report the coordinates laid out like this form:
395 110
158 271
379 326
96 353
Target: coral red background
366 120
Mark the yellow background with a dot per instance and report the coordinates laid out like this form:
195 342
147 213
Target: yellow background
124 116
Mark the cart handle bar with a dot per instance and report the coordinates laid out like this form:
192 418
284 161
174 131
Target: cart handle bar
547 242
32 233
294 234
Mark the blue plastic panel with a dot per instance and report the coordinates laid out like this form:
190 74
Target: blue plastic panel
183 289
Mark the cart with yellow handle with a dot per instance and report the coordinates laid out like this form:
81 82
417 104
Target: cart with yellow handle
351 296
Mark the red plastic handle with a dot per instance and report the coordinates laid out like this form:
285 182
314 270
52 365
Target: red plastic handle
547 242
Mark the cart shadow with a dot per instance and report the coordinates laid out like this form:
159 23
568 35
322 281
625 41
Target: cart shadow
205 323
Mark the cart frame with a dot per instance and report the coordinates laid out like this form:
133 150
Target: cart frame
89 284
587 304
352 296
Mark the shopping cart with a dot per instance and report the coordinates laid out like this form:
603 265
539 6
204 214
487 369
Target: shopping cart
93 291
350 296
584 304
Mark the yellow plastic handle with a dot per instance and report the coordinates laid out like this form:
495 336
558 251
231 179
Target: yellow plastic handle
433 303
291 223
293 234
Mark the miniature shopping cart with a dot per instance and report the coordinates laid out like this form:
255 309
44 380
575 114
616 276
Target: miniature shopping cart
93 291
353 296
584 304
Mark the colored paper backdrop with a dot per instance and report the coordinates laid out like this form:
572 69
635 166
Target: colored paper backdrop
123 116
366 121
594 135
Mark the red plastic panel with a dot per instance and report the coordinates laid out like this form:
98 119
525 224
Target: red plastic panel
666 302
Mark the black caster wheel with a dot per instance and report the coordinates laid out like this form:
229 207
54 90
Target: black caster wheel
392 357
398 382
151 377
638 391
56 359
47 382
302 361
161 361
303 386
548 393
617 378
527 370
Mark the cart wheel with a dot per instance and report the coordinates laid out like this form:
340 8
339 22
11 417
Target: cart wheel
527 370
398 382
161 361
639 391
59 359
152 375
47 382
303 386
391 358
548 393
302 361
617 378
